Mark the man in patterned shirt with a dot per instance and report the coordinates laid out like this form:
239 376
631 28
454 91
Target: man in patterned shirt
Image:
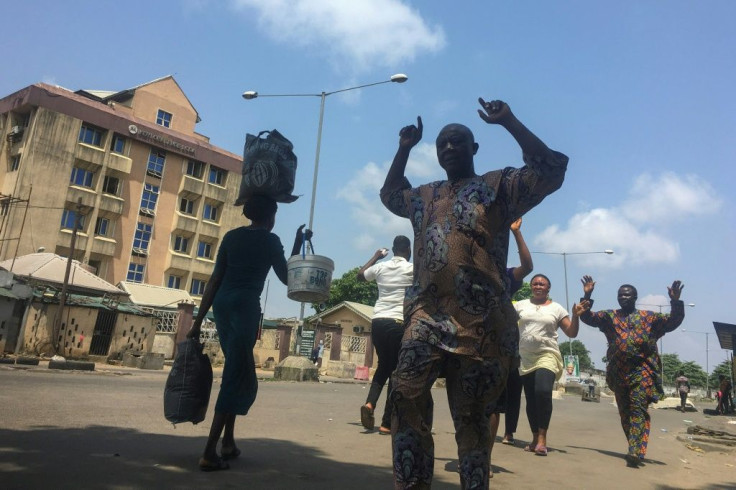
458 314
633 371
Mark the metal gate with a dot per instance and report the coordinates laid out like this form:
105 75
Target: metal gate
102 335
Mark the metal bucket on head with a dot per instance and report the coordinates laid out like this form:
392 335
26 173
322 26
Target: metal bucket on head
309 278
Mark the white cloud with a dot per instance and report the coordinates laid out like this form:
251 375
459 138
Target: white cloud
362 34
362 190
665 199
636 229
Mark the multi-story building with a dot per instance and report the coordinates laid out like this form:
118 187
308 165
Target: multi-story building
151 198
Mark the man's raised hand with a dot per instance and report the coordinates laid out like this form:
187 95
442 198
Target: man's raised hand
675 290
409 136
588 285
495 111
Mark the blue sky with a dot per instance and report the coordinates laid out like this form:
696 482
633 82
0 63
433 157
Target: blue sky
639 95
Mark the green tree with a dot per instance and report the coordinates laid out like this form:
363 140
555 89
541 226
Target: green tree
348 288
578 349
524 292
723 368
672 365
694 373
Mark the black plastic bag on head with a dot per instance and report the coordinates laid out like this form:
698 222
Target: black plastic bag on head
269 168
189 384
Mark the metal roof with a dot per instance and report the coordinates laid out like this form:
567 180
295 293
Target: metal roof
155 296
51 268
726 333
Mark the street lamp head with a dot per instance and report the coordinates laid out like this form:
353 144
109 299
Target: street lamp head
399 78
609 252
250 94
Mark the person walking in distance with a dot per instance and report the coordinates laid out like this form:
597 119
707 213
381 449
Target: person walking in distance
387 326
458 315
683 387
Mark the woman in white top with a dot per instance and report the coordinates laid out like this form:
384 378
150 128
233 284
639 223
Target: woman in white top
541 361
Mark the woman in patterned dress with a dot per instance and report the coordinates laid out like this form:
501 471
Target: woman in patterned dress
633 371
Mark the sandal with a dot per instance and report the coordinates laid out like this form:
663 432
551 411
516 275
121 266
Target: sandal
366 417
384 431
540 450
529 448
632 461
232 454
218 465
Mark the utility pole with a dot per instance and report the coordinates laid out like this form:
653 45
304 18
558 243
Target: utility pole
62 296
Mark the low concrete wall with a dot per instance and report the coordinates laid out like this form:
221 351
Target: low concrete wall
340 369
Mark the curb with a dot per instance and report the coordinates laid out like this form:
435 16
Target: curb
72 365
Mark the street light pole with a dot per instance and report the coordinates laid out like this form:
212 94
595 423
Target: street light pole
251 94
564 263
707 363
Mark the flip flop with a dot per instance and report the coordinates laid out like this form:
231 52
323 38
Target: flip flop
384 431
230 454
540 450
366 417
208 466
528 448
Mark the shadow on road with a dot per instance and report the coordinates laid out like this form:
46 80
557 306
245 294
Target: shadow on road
110 457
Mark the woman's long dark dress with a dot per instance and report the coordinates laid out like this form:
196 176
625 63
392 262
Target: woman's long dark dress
245 257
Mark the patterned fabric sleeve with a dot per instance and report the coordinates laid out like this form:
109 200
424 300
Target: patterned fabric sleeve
663 324
523 188
601 320
395 199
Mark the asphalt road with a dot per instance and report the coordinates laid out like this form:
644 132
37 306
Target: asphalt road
106 430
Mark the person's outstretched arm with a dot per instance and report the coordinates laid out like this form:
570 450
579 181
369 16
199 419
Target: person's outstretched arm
544 169
395 181
301 237
380 253
677 307
524 255
499 112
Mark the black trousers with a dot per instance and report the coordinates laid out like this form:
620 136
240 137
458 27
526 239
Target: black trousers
386 334
513 401
538 392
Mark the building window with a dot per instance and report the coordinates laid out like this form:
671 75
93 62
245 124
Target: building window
118 144
142 238
149 198
111 185
217 176
195 169
156 160
15 163
186 206
135 272
81 177
181 244
67 220
211 212
198 286
174 282
90 135
102 227
163 118
204 250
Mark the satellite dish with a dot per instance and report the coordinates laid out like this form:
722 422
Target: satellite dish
321 307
